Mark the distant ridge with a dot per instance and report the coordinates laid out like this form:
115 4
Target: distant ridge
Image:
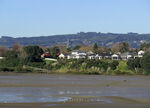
82 38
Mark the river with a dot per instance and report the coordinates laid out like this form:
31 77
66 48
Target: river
73 91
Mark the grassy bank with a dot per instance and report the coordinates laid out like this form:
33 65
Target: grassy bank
82 66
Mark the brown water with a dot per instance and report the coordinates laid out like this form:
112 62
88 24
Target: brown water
72 91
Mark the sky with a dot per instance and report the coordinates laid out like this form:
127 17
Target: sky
26 18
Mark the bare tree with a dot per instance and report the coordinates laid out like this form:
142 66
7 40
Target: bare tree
2 50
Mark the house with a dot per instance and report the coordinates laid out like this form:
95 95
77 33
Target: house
105 55
62 56
45 55
126 56
99 57
115 57
93 56
140 54
1 58
77 54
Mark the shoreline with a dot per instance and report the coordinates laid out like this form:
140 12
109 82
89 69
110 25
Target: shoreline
67 73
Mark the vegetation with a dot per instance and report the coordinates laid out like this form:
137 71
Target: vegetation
120 47
95 48
145 63
140 65
33 54
123 69
28 59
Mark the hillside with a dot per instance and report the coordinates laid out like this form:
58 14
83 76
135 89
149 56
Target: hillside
81 38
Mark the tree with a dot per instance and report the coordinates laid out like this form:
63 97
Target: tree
145 62
86 48
124 47
3 50
145 46
11 59
114 64
33 54
120 47
17 47
69 49
21 53
134 64
95 48
77 47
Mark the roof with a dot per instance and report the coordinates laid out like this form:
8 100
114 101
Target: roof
126 54
79 51
105 54
115 55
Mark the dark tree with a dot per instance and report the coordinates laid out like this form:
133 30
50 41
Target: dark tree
145 62
77 47
33 54
95 48
11 59
134 64
54 52
124 47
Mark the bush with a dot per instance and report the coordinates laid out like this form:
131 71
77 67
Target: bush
37 64
145 62
11 59
6 69
123 68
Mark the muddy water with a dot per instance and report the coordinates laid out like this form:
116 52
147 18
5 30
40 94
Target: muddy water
72 91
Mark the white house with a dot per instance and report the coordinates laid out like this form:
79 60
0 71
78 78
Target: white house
77 55
98 57
1 58
62 56
115 57
91 56
126 55
141 53
78 52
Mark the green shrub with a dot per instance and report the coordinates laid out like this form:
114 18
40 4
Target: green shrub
6 69
145 62
123 68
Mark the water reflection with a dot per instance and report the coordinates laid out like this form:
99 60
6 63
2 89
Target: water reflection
16 98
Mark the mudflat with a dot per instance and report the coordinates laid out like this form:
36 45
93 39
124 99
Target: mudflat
73 91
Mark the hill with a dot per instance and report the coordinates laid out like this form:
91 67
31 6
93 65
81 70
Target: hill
82 38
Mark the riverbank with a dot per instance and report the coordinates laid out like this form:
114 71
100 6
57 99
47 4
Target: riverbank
82 66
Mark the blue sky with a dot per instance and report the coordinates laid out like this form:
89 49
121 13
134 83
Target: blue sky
20 18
